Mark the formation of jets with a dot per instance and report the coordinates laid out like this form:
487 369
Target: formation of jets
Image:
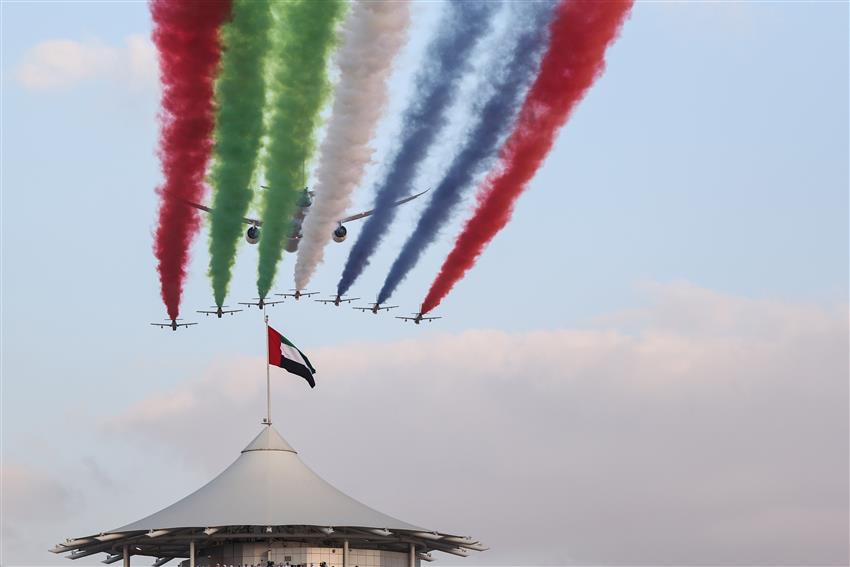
252 235
261 303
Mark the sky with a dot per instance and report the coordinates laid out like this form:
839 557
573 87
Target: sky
649 365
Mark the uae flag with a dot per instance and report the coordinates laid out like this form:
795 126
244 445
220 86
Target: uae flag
286 355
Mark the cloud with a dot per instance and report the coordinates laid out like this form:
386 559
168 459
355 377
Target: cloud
702 429
63 63
27 493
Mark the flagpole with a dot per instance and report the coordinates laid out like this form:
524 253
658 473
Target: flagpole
268 380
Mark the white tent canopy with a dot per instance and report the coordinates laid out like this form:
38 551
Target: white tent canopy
268 485
267 492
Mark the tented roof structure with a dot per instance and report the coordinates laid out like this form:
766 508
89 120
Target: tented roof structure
267 493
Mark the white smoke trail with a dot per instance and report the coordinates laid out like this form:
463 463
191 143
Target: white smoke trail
372 34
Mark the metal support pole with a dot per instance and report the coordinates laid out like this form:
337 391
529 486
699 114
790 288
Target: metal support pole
412 561
345 553
191 553
268 379
126 556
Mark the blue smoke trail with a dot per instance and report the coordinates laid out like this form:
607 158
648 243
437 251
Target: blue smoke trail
508 83
461 27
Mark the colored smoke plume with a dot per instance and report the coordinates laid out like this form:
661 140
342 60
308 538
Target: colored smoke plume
372 35
186 35
240 96
506 80
302 39
580 34
436 87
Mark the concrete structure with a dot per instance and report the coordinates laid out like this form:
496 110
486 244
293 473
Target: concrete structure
268 506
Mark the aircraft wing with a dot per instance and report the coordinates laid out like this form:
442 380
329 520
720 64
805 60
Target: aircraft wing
388 307
223 311
246 220
257 303
184 324
420 319
364 214
342 300
160 324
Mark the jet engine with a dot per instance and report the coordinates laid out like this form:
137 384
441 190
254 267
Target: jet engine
340 233
253 234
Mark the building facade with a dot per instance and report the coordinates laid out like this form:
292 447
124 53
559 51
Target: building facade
298 555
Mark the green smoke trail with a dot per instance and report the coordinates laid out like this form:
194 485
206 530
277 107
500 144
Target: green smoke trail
240 96
302 39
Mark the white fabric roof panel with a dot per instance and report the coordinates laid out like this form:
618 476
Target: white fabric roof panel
268 485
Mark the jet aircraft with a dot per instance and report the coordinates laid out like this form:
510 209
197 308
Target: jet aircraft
219 311
260 302
376 307
173 324
337 300
252 235
298 294
418 318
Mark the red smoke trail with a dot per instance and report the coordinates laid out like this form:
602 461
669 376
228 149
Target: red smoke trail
579 35
186 34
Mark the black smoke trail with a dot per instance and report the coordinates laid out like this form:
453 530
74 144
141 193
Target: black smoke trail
446 60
